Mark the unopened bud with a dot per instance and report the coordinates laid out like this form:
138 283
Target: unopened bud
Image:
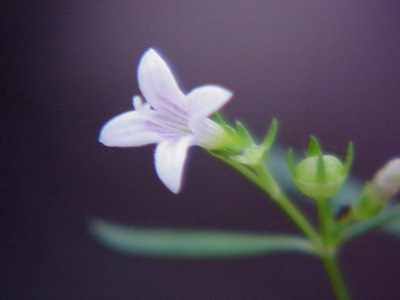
368 205
315 184
320 176
386 181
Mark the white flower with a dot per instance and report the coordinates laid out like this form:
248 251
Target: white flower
171 119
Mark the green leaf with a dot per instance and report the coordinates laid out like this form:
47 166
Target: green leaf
314 147
349 157
243 132
193 244
321 169
270 137
218 118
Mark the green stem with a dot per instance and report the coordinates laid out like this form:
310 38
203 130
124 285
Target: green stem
325 220
335 277
329 258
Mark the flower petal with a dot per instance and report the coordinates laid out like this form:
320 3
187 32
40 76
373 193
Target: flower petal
128 129
208 134
206 100
170 157
138 104
158 84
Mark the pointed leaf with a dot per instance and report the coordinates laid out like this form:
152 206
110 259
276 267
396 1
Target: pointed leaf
321 169
349 157
218 118
193 244
270 137
314 148
243 132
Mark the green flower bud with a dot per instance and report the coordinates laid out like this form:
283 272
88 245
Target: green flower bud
386 181
320 176
316 184
384 186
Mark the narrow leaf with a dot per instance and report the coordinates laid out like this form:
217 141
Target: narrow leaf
314 148
321 169
243 132
193 244
270 137
349 157
218 118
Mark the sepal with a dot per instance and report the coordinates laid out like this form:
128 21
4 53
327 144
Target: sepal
253 153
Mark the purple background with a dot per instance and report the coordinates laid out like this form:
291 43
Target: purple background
330 68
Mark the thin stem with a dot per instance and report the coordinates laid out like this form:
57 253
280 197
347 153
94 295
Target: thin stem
335 277
329 258
325 220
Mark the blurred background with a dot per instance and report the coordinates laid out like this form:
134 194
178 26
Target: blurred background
330 68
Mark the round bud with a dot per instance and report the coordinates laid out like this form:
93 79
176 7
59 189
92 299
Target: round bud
319 181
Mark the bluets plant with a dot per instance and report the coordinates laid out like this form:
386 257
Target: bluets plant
175 121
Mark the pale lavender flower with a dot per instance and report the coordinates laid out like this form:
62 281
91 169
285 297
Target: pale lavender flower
387 180
171 119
